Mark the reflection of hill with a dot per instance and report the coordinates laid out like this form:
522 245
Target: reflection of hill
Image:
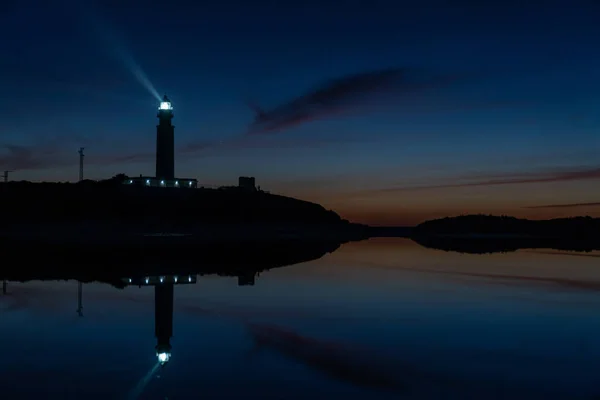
110 264
483 245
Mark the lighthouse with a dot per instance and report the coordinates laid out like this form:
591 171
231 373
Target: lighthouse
165 154
165 142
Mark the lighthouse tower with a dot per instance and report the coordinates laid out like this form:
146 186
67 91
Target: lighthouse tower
165 142
165 154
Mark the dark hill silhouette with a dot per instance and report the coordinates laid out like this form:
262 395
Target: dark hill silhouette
109 208
579 227
489 234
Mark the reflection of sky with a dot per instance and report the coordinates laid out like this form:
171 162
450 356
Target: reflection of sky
383 302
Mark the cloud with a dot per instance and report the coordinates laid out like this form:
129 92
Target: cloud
126 158
21 157
197 147
52 155
347 95
261 142
572 205
579 174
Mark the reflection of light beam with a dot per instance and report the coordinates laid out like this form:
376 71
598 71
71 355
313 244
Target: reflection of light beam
139 388
115 46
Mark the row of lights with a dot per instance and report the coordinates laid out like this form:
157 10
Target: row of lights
162 279
161 182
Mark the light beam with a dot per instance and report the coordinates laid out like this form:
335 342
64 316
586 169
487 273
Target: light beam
109 37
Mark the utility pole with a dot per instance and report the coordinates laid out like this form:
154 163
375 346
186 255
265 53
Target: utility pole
6 175
81 163
80 299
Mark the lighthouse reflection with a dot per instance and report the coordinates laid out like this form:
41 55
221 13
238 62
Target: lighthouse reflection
163 308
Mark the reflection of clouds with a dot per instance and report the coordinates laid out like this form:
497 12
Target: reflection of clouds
506 279
344 363
51 297
512 279
246 314
382 371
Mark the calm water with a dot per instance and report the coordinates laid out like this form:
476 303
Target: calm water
380 319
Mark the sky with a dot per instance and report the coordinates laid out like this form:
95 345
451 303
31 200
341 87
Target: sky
388 112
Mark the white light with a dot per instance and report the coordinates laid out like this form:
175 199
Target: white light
162 182
165 105
189 278
175 279
163 357
147 280
176 183
162 279
130 181
190 183
147 181
129 280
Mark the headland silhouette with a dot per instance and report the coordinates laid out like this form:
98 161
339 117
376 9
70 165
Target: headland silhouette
479 234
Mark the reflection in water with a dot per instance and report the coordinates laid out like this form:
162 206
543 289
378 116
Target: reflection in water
337 361
381 320
163 308
163 321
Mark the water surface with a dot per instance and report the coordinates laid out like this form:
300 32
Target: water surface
379 319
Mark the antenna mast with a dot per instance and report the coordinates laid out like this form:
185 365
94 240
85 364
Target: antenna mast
6 175
81 163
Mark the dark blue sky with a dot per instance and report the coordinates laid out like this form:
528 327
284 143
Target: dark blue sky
516 127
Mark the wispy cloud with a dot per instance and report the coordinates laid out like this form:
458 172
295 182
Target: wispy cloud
347 95
52 154
193 149
30 157
571 205
516 178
